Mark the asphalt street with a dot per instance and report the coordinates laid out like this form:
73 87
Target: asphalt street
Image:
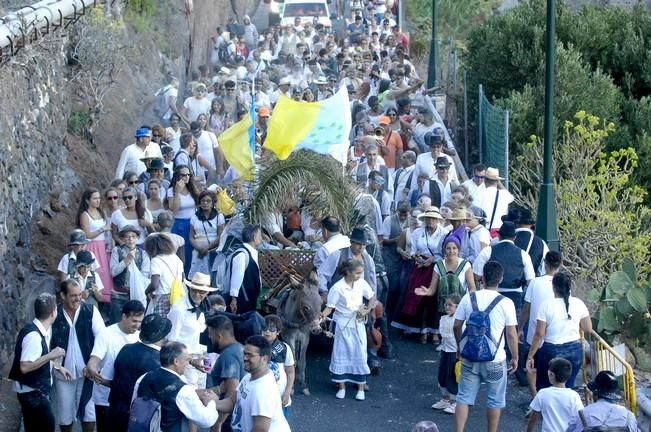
400 397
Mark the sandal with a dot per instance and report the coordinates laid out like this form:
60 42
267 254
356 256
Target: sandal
423 338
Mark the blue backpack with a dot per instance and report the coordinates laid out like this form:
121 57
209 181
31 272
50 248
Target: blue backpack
477 343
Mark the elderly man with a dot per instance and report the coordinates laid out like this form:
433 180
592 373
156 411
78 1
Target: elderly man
243 273
132 155
495 200
404 176
374 162
77 325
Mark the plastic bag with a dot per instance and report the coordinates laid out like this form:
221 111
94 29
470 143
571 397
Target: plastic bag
176 292
137 284
225 204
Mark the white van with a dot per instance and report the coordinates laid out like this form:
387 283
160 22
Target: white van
306 10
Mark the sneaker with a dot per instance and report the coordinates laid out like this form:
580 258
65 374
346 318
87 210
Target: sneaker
451 408
341 393
360 395
442 404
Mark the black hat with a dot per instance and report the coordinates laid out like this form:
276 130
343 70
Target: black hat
358 236
605 386
525 217
513 215
156 164
84 258
78 237
507 230
154 328
442 161
128 228
432 139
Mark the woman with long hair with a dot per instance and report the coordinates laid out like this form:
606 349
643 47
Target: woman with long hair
92 219
135 213
217 116
349 357
206 227
557 333
182 198
165 269
173 132
154 202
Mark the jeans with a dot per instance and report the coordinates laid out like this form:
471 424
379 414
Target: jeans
37 412
494 374
571 351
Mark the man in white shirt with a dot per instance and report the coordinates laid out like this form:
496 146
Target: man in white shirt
503 325
208 148
257 406
425 162
475 185
108 344
495 199
335 240
243 277
171 93
403 177
165 385
77 325
188 317
376 182
132 155
31 367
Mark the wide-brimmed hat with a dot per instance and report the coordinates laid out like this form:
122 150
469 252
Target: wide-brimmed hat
442 162
430 212
525 217
284 81
507 230
127 229
156 164
224 71
143 132
605 386
84 258
200 282
493 174
458 214
321 80
358 235
78 237
152 153
154 328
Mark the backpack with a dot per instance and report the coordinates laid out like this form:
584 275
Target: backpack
477 343
449 283
161 105
145 415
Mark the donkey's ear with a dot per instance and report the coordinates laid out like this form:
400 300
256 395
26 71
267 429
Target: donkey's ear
313 278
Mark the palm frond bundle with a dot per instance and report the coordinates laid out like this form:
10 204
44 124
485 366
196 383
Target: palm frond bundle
307 177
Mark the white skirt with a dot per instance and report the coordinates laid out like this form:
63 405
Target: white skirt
349 357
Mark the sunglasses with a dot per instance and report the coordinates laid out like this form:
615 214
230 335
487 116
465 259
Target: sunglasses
135 182
270 329
157 136
230 88
479 177
442 168
112 198
128 197
184 175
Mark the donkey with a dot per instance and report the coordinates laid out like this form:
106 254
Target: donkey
299 309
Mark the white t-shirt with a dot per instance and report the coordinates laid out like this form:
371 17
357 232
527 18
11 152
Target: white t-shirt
539 290
557 406
65 260
278 370
168 267
206 143
346 301
187 205
560 329
258 398
502 315
207 230
446 328
119 220
196 107
108 344
170 92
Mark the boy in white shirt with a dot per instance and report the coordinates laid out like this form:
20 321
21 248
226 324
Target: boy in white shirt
556 404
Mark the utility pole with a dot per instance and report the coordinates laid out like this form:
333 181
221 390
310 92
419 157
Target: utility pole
433 51
546 224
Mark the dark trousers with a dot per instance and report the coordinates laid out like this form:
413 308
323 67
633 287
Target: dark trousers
571 351
516 297
37 412
118 420
102 418
382 324
393 295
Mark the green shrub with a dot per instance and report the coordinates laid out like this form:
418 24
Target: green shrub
78 122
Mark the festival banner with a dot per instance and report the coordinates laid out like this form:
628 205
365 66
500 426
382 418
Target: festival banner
235 143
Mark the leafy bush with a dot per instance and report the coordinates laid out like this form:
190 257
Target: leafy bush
601 214
78 122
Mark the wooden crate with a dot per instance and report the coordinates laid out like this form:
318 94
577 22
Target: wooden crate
272 261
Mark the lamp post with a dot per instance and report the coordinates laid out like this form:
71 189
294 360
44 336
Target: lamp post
546 225
433 51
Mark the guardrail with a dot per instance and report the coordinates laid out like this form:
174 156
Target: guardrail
598 356
28 24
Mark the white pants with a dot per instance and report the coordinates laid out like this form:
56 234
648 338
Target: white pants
68 397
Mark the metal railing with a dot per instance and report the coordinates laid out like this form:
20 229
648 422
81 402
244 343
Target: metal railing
598 356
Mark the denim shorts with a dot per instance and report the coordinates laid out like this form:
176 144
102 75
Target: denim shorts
494 374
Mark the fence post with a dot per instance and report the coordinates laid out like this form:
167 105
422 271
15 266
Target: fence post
480 124
506 146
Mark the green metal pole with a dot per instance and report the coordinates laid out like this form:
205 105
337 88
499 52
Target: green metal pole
546 224
433 51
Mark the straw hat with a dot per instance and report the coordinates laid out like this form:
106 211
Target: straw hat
200 282
430 212
151 153
493 174
459 214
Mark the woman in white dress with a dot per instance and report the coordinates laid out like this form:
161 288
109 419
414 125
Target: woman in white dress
346 298
206 227
135 214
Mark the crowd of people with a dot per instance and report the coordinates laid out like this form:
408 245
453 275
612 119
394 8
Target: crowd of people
138 323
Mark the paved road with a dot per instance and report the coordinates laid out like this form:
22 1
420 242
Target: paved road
398 398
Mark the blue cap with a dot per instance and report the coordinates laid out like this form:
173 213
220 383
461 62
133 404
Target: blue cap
143 132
